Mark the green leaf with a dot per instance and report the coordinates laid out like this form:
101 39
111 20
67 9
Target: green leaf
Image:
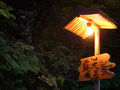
2 4
61 79
3 13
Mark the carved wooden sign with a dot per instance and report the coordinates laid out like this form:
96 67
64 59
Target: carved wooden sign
96 68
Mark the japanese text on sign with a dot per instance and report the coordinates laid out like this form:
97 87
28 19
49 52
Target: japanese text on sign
95 68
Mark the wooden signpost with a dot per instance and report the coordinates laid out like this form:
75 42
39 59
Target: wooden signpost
96 68
84 22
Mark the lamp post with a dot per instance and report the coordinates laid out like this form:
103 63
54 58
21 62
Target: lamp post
84 22
97 52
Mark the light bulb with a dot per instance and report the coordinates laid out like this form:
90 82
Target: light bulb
89 31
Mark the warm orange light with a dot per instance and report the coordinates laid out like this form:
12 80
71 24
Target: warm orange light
96 68
100 20
79 25
89 31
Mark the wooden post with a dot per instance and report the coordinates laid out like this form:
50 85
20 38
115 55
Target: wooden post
97 52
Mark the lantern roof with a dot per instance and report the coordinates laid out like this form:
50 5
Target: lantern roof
96 16
83 17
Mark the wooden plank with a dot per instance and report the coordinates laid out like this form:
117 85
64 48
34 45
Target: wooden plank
96 68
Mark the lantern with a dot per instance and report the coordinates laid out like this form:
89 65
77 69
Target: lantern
84 22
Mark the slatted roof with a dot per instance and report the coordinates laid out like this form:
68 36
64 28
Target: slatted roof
82 16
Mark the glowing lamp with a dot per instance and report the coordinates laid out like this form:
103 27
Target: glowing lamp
85 21
89 31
